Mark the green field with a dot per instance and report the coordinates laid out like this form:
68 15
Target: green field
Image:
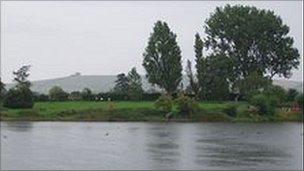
130 111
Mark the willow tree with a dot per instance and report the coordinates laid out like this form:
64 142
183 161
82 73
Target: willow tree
162 58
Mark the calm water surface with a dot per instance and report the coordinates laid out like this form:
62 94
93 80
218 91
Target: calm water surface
90 146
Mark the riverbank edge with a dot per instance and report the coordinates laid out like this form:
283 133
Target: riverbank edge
140 113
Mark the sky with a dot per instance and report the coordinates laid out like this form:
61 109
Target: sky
107 38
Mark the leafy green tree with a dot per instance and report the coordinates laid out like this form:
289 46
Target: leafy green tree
275 92
256 41
202 64
216 77
135 85
75 95
299 100
121 84
21 95
162 58
18 98
253 83
193 83
21 76
56 93
198 49
2 91
263 103
40 97
86 94
291 95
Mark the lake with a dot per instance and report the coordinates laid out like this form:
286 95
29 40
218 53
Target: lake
139 145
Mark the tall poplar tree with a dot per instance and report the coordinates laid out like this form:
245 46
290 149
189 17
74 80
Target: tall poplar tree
162 58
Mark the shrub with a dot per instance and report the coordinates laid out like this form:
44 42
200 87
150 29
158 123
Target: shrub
186 105
21 97
40 97
164 103
278 93
265 105
230 110
151 96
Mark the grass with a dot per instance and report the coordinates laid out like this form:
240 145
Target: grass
133 111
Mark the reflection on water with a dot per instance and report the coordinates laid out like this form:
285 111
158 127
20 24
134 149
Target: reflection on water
162 146
229 152
19 126
153 146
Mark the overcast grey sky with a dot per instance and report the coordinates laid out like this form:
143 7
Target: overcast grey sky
106 38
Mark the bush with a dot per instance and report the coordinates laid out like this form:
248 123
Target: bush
186 105
230 110
265 105
164 103
277 93
21 97
151 96
40 97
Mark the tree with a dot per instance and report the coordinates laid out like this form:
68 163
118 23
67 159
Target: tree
75 95
162 58
291 95
253 84
121 84
21 76
275 92
17 98
263 103
2 90
256 40
86 94
299 100
57 94
193 83
216 77
21 95
200 66
135 85
40 97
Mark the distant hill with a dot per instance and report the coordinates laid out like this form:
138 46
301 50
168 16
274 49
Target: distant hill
104 83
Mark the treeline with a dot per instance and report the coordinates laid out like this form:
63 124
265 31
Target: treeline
58 94
243 50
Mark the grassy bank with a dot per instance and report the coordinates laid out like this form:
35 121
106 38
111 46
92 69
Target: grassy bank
133 111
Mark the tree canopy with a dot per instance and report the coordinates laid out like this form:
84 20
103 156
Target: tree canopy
56 93
20 96
135 85
162 58
121 84
21 76
256 40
